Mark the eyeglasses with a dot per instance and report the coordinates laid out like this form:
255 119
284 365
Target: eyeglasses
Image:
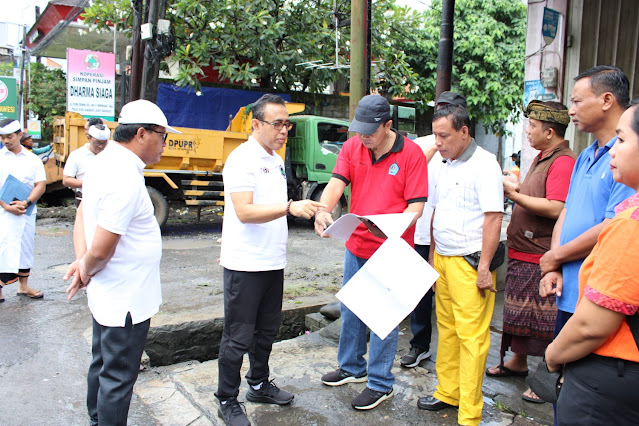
277 125
164 134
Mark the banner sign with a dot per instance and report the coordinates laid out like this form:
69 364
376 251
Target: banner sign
549 25
34 127
8 98
91 83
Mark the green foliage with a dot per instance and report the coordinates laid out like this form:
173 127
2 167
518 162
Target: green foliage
47 96
6 69
488 57
259 42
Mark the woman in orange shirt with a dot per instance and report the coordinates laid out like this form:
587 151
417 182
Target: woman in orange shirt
601 375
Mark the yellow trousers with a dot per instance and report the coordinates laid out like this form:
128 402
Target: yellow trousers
463 320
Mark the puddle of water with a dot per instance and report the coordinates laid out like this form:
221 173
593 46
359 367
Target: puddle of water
188 244
54 232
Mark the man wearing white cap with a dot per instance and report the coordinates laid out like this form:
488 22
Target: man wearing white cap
118 248
17 227
78 161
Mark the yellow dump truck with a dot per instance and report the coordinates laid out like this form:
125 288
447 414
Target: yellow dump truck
192 162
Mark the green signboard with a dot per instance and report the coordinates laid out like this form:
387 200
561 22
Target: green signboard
8 98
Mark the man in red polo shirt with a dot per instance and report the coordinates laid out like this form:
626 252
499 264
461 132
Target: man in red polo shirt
387 173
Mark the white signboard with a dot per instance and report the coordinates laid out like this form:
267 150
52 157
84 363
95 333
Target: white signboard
91 83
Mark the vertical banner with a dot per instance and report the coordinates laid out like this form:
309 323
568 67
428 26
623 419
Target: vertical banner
34 128
8 98
91 83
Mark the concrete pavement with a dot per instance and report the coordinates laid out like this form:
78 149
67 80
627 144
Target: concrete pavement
184 393
45 351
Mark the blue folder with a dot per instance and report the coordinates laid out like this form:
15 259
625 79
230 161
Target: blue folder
13 190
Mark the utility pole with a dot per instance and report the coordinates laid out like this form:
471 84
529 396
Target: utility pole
445 54
137 58
24 59
151 57
359 24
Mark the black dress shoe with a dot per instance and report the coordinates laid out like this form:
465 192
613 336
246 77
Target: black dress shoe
431 403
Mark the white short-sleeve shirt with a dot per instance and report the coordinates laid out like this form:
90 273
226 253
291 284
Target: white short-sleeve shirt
116 199
467 188
254 247
422 227
78 162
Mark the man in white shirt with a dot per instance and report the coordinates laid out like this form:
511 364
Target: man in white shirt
118 248
254 237
17 227
78 161
468 206
420 318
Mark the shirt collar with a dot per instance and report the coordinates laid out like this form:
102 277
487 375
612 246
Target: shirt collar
127 152
632 201
609 144
468 152
22 151
398 145
255 145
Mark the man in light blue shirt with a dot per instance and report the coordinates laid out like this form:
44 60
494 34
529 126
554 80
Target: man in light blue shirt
599 98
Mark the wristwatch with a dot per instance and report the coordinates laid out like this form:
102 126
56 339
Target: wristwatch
28 202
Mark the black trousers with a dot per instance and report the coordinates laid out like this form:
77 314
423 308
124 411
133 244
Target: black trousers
252 318
599 390
420 318
114 370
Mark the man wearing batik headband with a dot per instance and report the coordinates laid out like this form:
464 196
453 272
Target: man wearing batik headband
78 162
529 320
17 229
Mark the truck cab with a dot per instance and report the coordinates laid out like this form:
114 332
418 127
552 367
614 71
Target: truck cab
311 152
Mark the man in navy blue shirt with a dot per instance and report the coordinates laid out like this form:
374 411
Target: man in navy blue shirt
599 98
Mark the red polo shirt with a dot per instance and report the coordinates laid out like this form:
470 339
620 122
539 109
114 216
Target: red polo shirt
388 185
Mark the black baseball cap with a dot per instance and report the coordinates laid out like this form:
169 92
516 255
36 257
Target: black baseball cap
452 98
371 112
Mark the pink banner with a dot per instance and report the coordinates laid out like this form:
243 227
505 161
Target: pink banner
91 83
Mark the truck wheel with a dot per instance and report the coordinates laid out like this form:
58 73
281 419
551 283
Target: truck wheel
337 211
160 205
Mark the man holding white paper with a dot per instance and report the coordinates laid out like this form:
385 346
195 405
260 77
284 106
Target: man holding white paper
468 206
17 228
387 173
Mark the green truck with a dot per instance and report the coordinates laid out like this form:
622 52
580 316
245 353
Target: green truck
311 152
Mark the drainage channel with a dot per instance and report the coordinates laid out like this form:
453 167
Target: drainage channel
200 340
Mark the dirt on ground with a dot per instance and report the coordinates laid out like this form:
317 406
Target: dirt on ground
314 269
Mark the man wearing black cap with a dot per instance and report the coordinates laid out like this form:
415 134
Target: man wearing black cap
387 173
420 318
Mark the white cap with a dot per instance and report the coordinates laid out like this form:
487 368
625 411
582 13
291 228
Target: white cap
101 135
12 127
144 112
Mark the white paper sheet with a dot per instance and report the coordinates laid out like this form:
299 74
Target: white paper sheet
392 282
388 287
393 224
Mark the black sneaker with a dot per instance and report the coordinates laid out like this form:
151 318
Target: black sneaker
269 394
340 377
370 399
233 413
414 357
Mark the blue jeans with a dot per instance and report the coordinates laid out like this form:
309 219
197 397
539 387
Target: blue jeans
352 341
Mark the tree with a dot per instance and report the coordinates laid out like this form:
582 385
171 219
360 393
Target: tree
47 96
488 57
6 69
252 43
259 42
